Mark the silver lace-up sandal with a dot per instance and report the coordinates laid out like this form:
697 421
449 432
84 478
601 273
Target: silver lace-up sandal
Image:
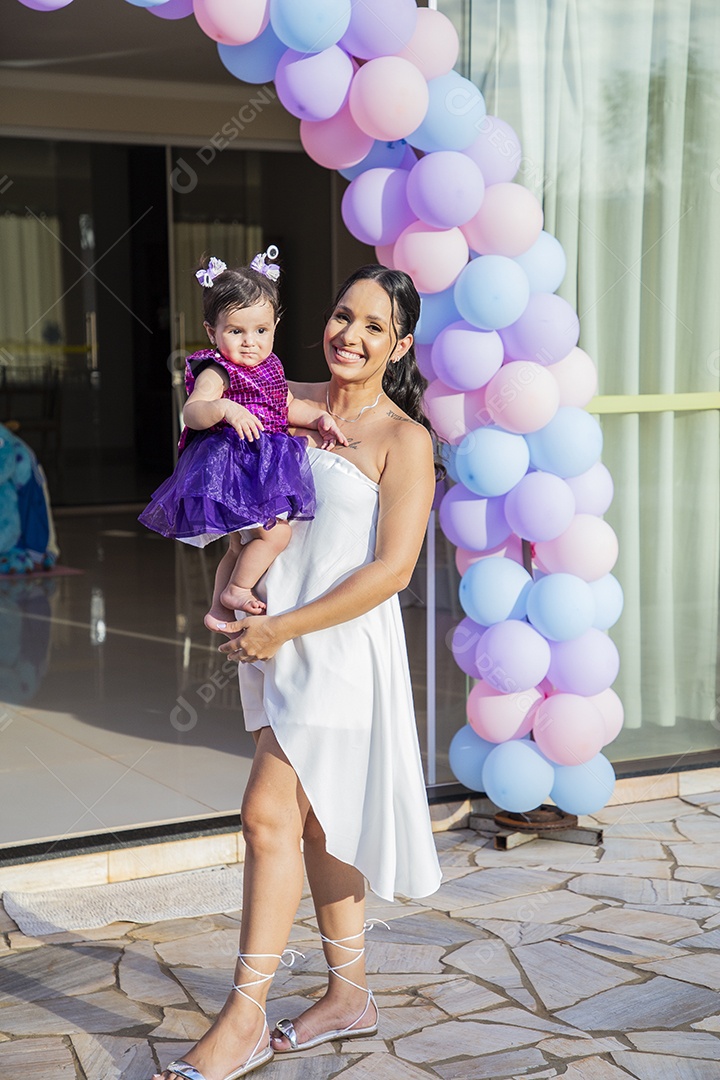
260 1054
287 1028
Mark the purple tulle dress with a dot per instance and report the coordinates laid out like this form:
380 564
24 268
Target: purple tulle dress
222 482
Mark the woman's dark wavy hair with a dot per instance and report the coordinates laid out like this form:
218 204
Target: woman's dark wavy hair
403 381
237 288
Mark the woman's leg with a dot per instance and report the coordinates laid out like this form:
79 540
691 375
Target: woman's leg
338 892
273 816
253 560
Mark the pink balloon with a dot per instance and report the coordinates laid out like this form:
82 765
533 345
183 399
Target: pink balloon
508 222
465 640
453 414
471 521
512 656
445 189
375 207
384 255
498 717
576 377
314 86
496 151
593 490
588 548
522 397
173 9
379 28
612 712
432 257
424 361
434 46
584 665
540 507
568 729
388 98
510 548
464 357
336 143
546 331
232 23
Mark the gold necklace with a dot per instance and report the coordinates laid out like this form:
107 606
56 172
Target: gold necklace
344 418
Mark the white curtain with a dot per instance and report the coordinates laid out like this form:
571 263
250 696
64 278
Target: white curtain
619 120
232 242
31 310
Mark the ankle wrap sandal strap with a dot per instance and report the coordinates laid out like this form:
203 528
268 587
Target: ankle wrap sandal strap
262 977
359 951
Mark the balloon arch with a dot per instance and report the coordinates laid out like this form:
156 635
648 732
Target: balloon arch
431 189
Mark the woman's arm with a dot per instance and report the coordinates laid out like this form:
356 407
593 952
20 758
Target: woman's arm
206 407
407 487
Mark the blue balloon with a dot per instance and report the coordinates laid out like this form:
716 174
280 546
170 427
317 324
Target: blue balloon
517 777
310 26
609 600
467 756
568 445
453 121
561 606
255 62
492 292
495 589
383 155
146 3
490 461
583 789
437 310
544 263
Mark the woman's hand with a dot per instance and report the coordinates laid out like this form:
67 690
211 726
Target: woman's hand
257 637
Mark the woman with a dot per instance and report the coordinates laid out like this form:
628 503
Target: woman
325 687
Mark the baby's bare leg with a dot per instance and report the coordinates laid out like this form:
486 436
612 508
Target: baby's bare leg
219 615
254 559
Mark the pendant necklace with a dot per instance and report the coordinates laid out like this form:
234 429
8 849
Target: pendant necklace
344 418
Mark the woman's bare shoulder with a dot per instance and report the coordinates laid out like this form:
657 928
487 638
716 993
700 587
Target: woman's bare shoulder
308 391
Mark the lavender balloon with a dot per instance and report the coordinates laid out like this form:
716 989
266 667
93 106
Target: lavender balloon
465 640
471 522
378 28
445 189
496 151
466 358
587 665
314 87
545 332
384 155
593 490
512 656
375 207
540 507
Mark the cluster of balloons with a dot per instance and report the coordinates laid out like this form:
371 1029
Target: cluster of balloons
431 189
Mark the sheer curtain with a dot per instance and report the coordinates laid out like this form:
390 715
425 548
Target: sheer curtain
620 128
31 311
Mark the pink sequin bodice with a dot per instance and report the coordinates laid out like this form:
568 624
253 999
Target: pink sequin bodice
262 389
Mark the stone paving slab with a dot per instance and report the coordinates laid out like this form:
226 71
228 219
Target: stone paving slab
553 959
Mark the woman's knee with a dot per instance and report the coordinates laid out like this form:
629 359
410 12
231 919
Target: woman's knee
267 825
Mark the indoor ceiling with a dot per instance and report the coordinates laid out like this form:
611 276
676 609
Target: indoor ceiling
110 38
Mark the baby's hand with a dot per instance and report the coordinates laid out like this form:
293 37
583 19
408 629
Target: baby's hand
245 423
331 433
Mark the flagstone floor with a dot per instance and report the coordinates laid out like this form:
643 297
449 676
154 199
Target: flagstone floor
552 959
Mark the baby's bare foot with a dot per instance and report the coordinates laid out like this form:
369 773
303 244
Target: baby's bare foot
218 617
239 599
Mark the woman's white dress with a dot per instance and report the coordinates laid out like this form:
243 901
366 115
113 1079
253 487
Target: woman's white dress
340 701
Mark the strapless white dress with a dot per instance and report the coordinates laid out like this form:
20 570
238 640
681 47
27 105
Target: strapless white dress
340 701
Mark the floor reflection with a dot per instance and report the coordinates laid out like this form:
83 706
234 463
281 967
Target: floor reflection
116 710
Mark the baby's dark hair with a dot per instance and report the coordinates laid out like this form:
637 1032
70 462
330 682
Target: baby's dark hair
237 288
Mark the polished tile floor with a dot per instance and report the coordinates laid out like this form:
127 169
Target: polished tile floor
553 959
116 710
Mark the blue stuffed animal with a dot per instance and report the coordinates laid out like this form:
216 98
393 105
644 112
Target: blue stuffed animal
26 535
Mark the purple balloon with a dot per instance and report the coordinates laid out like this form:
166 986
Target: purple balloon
472 522
466 358
587 665
45 5
375 207
314 86
465 640
445 189
384 155
173 9
545 332
512 656
540 506
496 151
379 28
593 490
